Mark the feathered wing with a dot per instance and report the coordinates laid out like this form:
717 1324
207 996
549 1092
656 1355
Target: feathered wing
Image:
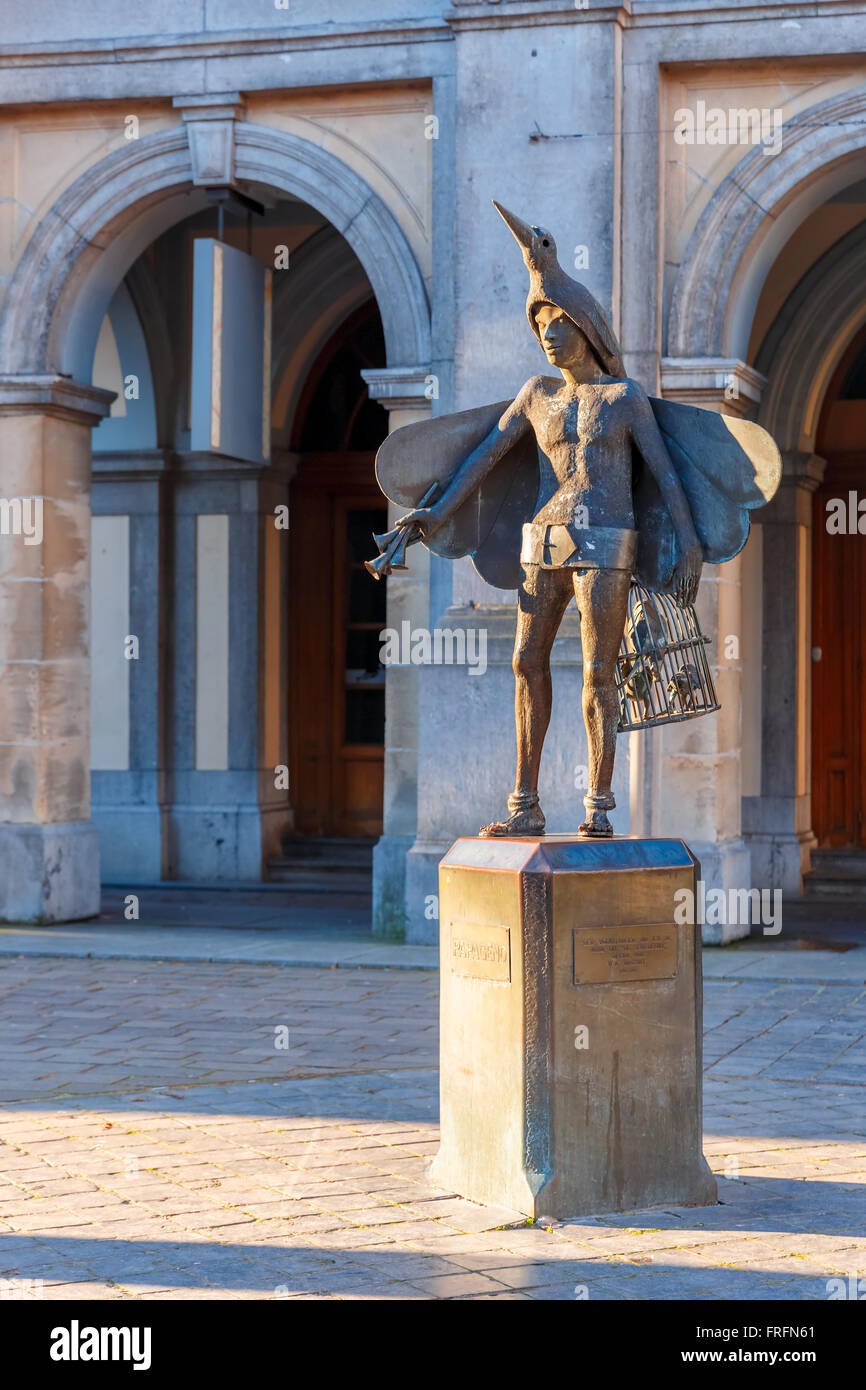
727 467
488 526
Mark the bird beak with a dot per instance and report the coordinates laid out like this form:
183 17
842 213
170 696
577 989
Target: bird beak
520 231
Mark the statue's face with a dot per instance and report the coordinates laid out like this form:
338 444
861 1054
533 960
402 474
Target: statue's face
564 344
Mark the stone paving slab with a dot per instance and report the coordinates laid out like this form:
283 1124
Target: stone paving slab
155 1143
263 939
230 945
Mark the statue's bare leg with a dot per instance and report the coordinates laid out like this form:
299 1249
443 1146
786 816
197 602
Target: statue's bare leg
542 599
602 599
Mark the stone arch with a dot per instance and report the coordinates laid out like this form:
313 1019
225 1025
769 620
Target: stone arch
807 339
327 284
750 217
98 227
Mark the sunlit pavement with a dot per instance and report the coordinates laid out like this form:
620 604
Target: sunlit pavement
205 1129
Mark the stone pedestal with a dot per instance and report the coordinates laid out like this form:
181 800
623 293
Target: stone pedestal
571 1026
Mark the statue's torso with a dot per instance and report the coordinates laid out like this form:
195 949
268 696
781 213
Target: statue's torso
584 441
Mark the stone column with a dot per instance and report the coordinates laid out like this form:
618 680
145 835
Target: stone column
696 766
49 850
778 821
128 788
226 807
402 392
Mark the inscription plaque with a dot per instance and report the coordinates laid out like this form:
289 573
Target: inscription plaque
610 955
481 951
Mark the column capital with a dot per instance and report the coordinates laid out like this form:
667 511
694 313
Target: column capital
802 469
399 388
52 394
717 383
210 126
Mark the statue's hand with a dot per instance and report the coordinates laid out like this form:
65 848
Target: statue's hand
687 575
427 519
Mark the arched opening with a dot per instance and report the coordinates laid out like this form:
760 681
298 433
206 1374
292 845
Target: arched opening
256 648
195 572
839 611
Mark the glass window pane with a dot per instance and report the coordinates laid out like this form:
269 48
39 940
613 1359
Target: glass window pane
365 716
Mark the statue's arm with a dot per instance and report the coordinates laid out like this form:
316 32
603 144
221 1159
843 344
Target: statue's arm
654 452
505 433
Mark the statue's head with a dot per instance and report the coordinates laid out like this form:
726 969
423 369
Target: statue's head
550 287
565 345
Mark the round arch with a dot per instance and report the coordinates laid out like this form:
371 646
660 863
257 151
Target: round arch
807 340
326 286
98 227
751 215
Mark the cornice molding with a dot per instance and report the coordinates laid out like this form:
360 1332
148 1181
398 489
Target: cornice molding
398 388
52 394
159 48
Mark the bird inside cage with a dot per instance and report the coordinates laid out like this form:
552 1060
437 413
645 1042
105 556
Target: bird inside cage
640 673
645 638
682 685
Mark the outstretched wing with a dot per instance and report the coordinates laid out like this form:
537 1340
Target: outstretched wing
488 525
727 467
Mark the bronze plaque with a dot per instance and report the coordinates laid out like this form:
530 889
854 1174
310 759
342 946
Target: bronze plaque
609 955
481 951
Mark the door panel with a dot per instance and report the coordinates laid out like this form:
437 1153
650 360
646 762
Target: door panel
337 686
838 705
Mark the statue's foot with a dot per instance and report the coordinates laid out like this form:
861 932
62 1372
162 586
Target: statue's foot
596 826
529 822
526 817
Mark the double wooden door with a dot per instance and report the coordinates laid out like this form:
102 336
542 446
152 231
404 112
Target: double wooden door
336 616
839 661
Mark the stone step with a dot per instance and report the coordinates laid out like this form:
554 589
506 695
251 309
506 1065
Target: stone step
836 873
313 879
324 865
839 863
841 890
328 851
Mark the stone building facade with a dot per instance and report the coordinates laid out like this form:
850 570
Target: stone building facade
701 163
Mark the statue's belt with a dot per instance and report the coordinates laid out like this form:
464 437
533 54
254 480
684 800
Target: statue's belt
578 547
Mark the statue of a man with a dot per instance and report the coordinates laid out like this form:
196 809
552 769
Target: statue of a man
589 428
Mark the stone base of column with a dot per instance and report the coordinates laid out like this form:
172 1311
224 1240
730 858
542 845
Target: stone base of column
389 885
422 891
131 842
49 873
780 860
725 865
223 843
571 1027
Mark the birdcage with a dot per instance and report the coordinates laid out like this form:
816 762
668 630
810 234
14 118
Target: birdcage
662 672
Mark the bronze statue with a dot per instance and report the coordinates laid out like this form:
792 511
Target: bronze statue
579 485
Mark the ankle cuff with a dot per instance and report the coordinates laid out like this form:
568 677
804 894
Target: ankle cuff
522 801
603 801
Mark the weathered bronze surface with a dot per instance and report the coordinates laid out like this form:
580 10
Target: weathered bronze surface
606 955
571 1079
479 950
577 487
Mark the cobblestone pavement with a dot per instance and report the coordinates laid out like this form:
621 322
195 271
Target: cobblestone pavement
158 1140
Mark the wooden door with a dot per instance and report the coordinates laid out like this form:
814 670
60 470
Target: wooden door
838 690
336 684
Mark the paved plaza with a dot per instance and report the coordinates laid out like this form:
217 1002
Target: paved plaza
208 1129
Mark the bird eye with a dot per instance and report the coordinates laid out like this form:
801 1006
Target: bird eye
545 242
